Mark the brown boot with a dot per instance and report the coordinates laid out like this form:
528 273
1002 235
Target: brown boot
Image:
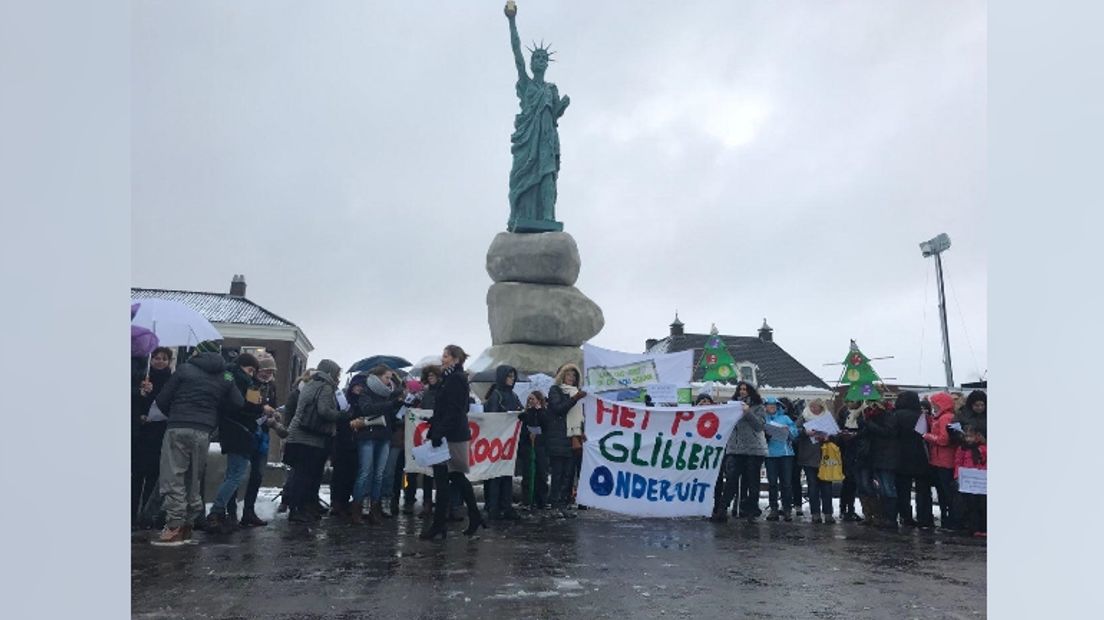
355 511
375 513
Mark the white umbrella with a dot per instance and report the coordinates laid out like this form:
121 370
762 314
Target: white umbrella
175 324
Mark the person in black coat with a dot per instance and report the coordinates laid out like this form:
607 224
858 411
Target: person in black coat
912 462
237 440
146 436
450 423
878 446
345 458
499 491
533 453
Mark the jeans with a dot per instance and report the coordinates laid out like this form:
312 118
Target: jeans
257 464
742 480
391 484
820 492
301 489
563 470
237 467
183 452
877 483
373 460
780 474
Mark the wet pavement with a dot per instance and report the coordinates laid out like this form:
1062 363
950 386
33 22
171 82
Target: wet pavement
600 565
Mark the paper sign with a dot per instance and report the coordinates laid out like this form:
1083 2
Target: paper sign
957 426
342 403
653 461
427 456
823 423
778 432
922 424
971 481
155 414
663 393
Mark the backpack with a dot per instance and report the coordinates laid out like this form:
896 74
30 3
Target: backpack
831 463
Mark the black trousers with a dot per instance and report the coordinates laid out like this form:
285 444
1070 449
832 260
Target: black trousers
445 481
563 472
302 488
921 484
974 514
145 466
850 482
346 461
742 480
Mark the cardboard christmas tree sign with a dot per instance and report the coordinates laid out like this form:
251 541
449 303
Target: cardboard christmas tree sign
717 361
860 376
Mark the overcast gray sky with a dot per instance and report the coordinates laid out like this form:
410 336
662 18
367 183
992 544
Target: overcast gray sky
734 160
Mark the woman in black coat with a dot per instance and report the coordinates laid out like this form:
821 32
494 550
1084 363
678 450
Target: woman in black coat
912 462
146 436
450 423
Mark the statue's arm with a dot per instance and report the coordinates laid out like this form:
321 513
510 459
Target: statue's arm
515 44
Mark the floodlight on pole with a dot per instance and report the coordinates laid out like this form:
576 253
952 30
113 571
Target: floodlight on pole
934 247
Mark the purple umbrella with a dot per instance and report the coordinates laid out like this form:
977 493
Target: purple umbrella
142 340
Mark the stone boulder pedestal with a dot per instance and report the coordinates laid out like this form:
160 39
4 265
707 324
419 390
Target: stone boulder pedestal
538 319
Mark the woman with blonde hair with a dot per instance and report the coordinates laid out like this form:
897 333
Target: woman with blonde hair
809 444
564 434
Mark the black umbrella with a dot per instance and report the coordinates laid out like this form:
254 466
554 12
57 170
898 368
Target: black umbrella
393 362
488 376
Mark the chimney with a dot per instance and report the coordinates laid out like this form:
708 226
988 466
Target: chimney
237 286
677 326
766 334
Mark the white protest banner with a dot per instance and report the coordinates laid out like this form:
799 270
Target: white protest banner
428 456
492 449
608 370
653 461
972 481
823 423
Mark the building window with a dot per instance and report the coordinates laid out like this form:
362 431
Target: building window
747 373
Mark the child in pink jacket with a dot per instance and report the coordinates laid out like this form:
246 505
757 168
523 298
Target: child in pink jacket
973 455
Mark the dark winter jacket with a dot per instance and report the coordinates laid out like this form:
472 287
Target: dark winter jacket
194 395
344 435
146 432
378 406
316 413
502 396
238 425
428 397
554 423
913 459
450 408
878 435
970 420
808 453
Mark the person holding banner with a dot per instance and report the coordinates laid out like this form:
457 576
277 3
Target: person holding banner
973 455
744 454
564 415
450 423
500 398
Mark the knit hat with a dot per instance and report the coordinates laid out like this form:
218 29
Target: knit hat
267 362
208 346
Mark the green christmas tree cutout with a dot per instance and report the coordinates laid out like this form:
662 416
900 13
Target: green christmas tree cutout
716 360
860 376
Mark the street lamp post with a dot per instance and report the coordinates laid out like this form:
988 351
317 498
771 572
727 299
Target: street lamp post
934 247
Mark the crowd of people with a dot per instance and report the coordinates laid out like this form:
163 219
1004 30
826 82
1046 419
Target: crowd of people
883 457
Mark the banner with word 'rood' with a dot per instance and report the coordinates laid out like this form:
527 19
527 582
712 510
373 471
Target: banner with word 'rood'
654 461
492 450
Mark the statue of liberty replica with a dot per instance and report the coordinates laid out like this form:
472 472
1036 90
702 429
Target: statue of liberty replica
535 143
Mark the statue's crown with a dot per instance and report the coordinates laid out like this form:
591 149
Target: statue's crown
542 50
